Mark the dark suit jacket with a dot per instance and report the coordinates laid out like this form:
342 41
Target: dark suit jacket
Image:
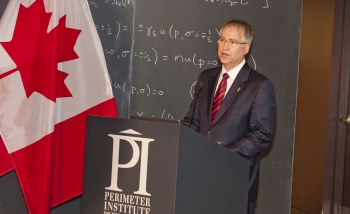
246 119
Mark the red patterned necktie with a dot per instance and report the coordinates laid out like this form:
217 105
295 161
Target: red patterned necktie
219 96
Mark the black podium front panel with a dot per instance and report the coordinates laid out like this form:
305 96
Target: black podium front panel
142 179
157 167
210 178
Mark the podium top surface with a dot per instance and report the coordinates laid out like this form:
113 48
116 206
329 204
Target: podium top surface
155 119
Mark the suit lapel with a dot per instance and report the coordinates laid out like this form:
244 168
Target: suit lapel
212 80
236 89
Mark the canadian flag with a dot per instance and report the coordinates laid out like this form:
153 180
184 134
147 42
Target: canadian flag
52 75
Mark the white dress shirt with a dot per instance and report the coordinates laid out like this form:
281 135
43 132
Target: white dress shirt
232 75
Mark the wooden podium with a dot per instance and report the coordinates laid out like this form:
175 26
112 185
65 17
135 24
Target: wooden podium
159 167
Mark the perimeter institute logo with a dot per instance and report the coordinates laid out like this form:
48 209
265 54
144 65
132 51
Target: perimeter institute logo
118 203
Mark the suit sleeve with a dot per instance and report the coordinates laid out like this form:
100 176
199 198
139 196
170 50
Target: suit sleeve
262 123
195 124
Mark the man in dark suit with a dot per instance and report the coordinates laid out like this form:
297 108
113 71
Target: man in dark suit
236 105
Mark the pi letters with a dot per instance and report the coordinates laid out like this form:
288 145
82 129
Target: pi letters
134 160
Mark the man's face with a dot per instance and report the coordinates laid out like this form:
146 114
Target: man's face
231 55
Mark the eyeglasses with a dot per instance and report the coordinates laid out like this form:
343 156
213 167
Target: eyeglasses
231 42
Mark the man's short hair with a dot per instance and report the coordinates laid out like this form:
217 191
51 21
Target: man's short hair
248 32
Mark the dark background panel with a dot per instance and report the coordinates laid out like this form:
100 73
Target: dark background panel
3 4
11 198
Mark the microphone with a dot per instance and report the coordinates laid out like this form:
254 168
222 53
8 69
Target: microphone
196 93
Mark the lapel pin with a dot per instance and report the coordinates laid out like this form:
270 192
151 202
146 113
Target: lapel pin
238 89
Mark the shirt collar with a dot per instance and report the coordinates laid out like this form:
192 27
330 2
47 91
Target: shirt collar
234 71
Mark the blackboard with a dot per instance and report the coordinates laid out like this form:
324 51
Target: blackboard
173 41
114 20
156 49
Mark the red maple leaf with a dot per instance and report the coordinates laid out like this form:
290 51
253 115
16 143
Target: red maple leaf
37 52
